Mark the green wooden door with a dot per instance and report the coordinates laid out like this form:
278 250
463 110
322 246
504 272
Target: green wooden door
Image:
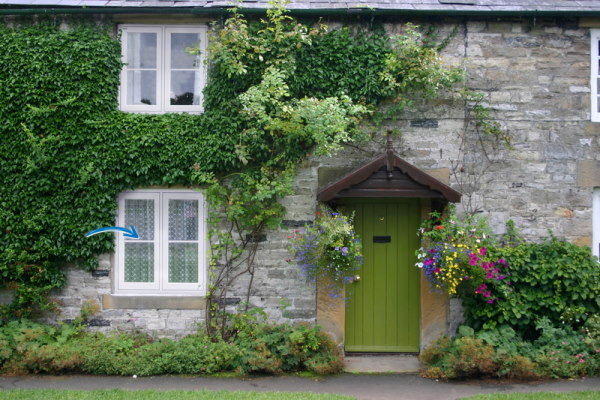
382 310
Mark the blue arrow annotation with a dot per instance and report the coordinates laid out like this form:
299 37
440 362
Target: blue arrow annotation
128 233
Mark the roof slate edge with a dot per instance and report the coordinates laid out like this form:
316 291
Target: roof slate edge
195 8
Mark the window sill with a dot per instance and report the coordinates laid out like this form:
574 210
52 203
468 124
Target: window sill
110 301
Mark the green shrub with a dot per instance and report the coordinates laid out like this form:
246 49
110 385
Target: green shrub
554 279
29 347
559 352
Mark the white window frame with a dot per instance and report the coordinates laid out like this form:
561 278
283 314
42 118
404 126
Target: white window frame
594 73
596 222
163 67
161 284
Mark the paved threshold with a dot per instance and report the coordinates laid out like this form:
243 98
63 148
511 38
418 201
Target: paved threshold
382 363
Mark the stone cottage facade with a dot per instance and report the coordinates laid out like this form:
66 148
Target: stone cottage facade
538 68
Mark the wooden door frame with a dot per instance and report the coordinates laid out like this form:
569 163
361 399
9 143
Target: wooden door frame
432 314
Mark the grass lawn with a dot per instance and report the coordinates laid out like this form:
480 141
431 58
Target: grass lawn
538 396
119 394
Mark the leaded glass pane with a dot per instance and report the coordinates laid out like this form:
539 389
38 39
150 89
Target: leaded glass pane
139 262
180 58
183 219
185 88
140 214
141 87
141 50
183 262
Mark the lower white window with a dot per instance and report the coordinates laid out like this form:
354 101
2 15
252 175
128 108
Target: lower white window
169 256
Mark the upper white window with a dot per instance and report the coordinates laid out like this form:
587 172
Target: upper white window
169 257
160 74
595 71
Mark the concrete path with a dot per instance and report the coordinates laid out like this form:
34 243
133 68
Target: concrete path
375 387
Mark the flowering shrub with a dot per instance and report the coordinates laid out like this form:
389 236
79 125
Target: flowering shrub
456 259
329 248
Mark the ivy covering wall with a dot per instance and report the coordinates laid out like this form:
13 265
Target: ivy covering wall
66 151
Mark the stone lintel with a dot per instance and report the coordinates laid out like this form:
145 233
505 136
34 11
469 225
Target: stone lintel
111 301
160 19
588 173
589 22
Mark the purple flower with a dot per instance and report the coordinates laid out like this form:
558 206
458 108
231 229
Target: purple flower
344 250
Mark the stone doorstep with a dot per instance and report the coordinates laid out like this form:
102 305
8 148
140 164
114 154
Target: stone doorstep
384 363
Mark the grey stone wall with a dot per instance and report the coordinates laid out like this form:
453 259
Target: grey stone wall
535 75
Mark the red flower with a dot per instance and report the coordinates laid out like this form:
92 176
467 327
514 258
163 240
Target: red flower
439 227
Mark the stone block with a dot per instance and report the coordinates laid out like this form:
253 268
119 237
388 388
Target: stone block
155 324
152 302
176 324
588 173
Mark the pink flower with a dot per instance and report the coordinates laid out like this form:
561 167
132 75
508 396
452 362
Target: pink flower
466 278
563 342
482 251
487 294
502 261
490 301
581 360
568 362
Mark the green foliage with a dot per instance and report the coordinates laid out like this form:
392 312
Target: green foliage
254 346
559 352
548 279
414 69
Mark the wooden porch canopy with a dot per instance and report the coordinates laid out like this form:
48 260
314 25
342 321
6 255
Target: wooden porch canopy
388 176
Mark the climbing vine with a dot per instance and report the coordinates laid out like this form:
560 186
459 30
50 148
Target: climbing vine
278 91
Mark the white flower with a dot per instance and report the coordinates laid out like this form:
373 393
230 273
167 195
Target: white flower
419 264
